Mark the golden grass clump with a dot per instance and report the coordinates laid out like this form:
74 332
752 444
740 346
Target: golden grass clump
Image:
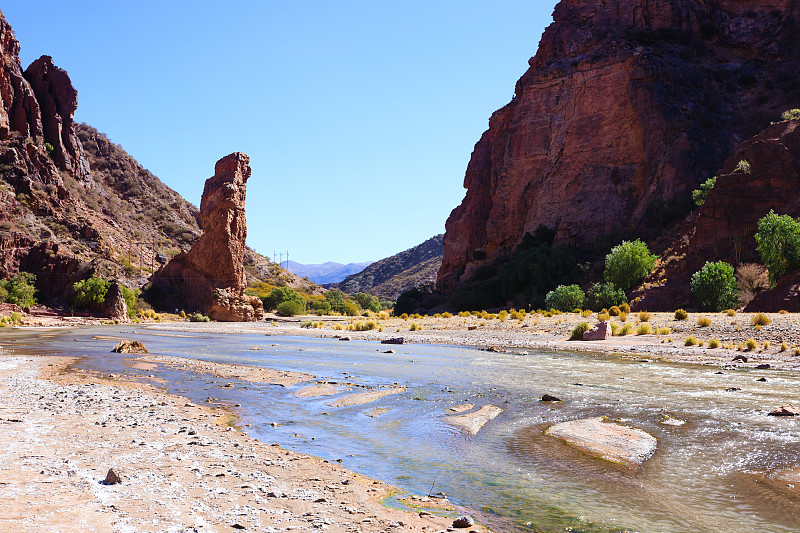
614 310
603 317
615 329
713 344
625 308
578 331
644 316
731 312
663 331
625 329
750 344
784 346
644 329
703 322
765 345
680 314
760 319
623 316
690 341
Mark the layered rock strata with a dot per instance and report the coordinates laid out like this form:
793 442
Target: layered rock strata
210 278
626 107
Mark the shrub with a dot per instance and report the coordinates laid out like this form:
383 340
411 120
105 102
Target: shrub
565 298
731 312
615 328
703 322
578 331
690 341
603 317
602 295
414 327
280 295
306 324
784 346
289 308
663 331
625 329
778 239
750 344
644 329
760 319
351 308
644 316
699 195
623 317
628 264
90 293
790 114
199 317
680 314
742 167
713 344
625 308
614 311
765 345
19 290
714 286
320 307
752 278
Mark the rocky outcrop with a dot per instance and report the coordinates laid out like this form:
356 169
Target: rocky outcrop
58 101
626 107
210 278
723 228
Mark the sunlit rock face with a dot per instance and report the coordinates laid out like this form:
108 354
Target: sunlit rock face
626 108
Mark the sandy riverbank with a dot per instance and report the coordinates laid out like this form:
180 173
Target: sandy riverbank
552 333
183 467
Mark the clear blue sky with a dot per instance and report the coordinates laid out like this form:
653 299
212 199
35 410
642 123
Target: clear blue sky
359 116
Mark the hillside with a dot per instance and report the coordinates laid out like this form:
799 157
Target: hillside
624 110
389 277
329 272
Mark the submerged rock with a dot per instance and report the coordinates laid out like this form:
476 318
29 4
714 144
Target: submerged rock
785 410
472 423
607 440
549 398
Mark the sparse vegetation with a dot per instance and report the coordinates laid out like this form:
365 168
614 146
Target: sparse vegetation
578 331
742 167
690 341
760 319
790 114
713 344
703 322
699 195
681 314
750 344
644 316
644 329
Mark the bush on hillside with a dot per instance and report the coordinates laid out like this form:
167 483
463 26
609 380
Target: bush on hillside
605 296
699 195
565 298
628 264
778 239
790 114
714 287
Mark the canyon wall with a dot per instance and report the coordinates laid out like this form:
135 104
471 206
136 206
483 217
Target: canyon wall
627 106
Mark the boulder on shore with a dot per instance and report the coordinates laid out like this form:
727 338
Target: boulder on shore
600 332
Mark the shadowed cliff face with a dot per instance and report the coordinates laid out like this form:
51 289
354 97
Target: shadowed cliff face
626 107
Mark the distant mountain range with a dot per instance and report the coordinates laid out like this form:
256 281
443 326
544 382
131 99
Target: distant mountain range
329 272
389 277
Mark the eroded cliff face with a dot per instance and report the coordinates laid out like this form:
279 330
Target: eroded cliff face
210 278
626 107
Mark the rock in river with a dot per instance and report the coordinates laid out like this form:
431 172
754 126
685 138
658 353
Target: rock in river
129 347
785 410
607 440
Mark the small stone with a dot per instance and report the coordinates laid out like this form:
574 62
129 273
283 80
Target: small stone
740 358
763 366
550 398
732 389
396 340
763 380
389 351
112 478
463 522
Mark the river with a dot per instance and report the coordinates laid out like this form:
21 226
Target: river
707 474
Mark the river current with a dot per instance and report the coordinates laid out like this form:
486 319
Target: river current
710 473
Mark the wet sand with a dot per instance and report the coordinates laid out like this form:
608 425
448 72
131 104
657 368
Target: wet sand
183 467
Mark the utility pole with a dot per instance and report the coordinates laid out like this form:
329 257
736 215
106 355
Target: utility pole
287 261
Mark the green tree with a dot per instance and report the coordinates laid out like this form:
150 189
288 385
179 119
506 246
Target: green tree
714 287
699 195
90 293
367 301
628 264
320 307
351 308
283 294
20 290
604 295
336 299
565 298
790 114
290 308
130 296
778 240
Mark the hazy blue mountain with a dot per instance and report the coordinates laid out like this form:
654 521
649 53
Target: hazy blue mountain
329 272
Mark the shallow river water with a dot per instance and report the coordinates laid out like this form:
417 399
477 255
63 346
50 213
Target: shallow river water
707 475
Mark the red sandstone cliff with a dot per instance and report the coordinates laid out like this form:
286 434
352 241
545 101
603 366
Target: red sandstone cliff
627 106
210 278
